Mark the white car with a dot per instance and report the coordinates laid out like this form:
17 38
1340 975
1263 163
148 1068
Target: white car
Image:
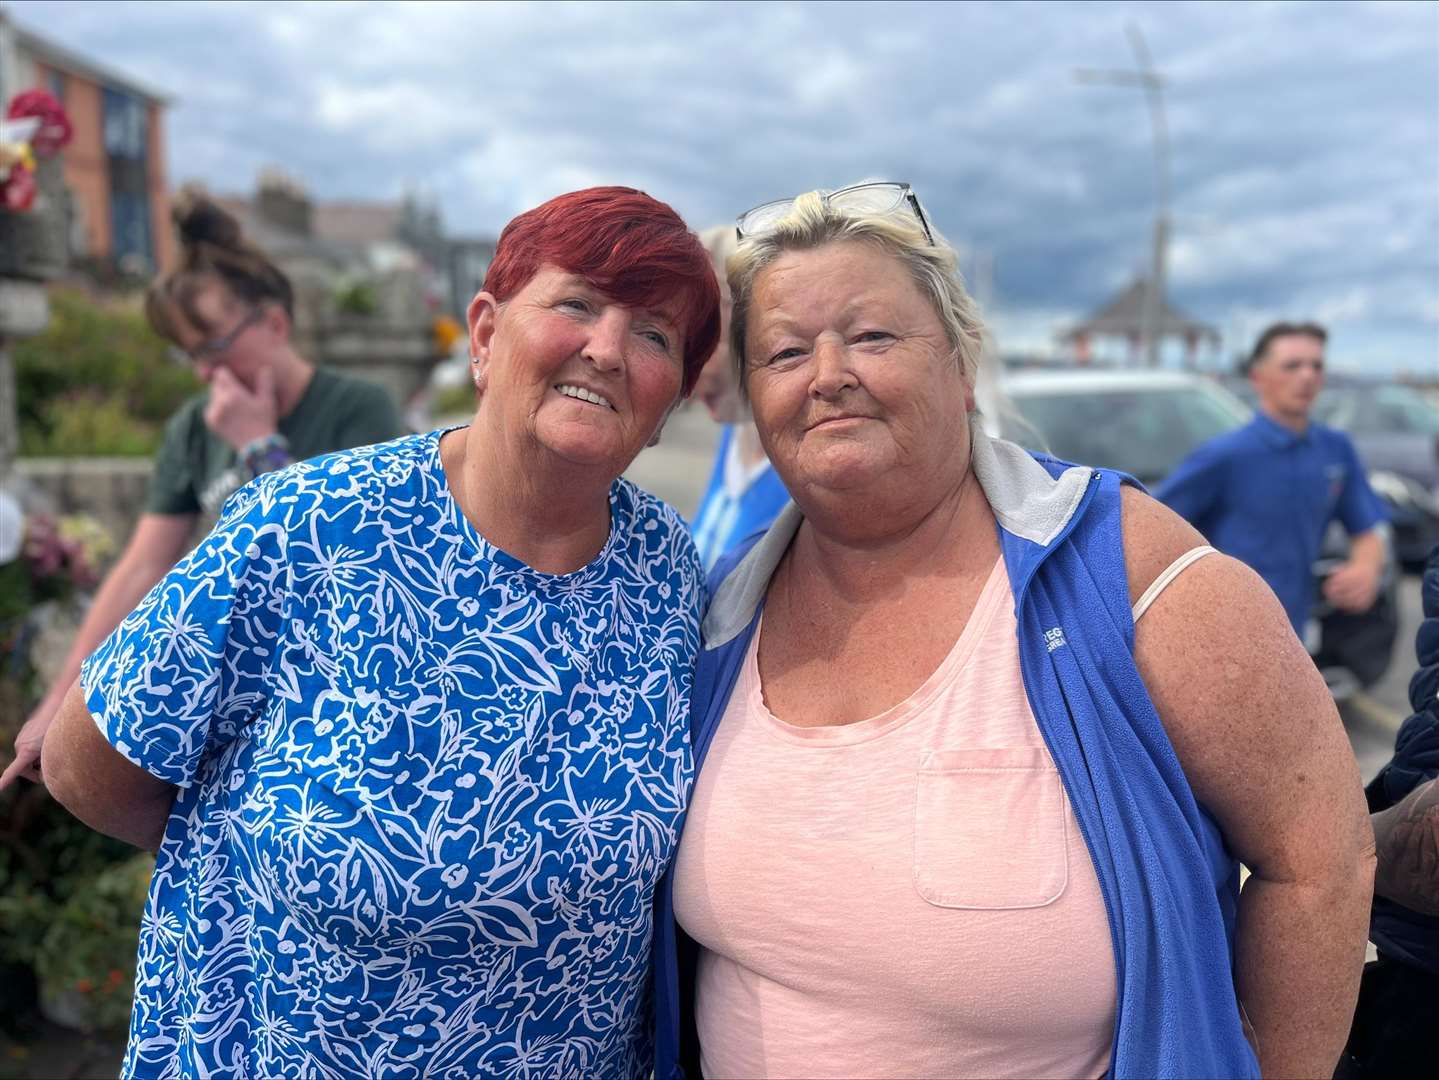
1140 422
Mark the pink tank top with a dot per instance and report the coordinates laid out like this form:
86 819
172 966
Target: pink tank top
905 896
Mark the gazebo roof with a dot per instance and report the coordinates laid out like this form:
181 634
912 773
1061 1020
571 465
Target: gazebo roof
1124 317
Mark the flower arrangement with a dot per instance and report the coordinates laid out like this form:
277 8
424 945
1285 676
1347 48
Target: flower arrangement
35 127
70 898
56 558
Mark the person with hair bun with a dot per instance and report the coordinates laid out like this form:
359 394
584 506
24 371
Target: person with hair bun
409 728
227 311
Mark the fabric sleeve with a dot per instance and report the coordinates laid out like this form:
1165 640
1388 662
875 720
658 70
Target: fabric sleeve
174 482
185 672
1358 507
1193 489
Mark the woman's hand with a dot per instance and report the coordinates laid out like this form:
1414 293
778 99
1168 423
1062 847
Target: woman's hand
238 414
28 741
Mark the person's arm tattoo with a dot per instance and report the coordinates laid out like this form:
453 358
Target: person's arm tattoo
1406 839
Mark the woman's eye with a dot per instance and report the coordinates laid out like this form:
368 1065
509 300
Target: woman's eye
574 303
659 340
872 336
785 354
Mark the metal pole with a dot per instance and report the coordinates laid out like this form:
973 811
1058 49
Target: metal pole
1154 294
1151 330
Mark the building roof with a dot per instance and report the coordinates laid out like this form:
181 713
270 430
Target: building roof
58 56
276 241
356 223
1124 317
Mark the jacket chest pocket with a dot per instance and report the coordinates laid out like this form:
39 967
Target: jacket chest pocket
991 829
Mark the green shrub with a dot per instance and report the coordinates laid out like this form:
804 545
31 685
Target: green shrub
96 355
89 423
86 960
357 298
454 401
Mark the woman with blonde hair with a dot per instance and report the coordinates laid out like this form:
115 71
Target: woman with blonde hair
981 736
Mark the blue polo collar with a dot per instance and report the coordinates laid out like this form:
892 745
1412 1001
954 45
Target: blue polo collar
1276 434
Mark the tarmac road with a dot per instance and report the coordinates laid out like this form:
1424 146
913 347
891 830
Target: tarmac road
1373 717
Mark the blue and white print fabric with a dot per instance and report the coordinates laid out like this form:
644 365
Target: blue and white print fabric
426 791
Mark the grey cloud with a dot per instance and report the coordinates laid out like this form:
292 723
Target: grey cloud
1305 136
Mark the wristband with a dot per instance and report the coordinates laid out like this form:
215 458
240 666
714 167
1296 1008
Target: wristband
265 454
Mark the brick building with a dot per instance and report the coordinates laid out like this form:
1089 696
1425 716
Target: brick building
114 167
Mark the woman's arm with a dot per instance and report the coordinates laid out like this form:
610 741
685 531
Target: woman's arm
156 545
97 784
1263 749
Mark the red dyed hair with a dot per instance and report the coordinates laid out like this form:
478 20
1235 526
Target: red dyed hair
634 249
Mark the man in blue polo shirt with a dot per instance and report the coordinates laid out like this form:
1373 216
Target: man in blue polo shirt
1266 492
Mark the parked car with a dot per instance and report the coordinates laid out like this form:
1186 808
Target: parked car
1396 432
1145 423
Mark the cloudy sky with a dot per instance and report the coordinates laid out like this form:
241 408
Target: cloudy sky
1305 137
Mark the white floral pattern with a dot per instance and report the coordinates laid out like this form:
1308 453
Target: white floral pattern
426 791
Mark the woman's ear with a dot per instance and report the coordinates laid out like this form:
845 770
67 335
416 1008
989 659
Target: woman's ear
278 322
481 316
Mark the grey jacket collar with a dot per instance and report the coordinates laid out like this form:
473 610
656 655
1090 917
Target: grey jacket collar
1026 500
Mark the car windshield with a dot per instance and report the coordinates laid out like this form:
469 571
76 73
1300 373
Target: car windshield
1368 410
1144 432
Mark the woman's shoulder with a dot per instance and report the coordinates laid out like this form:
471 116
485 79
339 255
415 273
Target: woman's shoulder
362 475
1154 537
1217 593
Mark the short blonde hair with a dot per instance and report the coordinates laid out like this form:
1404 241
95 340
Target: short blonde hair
812 223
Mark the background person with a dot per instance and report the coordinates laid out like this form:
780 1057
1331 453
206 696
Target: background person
1265 493
410 726
1398 1010
967 803
744 493
228 311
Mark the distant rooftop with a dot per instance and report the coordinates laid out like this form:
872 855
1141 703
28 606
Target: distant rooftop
1124 316
71 62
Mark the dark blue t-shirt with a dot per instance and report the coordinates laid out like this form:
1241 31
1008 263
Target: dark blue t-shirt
1265 495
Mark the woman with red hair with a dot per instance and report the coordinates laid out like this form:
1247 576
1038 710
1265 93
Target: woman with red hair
409 728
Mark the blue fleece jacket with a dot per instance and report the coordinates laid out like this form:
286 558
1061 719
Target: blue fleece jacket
1170 888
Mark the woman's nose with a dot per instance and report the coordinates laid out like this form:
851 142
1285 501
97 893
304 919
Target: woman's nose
606 346
832 370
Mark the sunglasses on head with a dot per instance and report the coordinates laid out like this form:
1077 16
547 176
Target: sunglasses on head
871 199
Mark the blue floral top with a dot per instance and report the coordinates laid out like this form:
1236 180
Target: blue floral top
426 792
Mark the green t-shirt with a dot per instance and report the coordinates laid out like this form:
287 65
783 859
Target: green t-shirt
196 470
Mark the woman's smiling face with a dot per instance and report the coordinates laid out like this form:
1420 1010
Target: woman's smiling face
574 372
851 376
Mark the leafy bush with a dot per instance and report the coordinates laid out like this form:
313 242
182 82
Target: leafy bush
357 298
100 423
454 400
70 899
96 381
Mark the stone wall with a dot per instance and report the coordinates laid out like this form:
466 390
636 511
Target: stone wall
111 490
